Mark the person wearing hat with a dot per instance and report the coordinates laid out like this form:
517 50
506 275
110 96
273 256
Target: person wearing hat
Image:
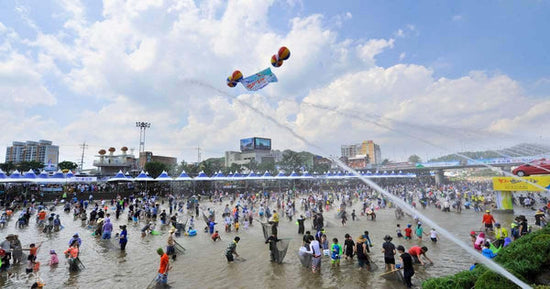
123 237
170 244
77 238
232 249
164 267
388 248
488 221
500 235
523 226
539 218
361 252
54 260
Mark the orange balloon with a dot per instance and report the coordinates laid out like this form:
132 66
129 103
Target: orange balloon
284 53
237 76
275 61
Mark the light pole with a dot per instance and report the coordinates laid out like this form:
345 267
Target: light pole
142 127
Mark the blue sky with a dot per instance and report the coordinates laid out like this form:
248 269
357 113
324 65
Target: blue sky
79 71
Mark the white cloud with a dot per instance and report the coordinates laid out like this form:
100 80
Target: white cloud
402 56
457 17
373 47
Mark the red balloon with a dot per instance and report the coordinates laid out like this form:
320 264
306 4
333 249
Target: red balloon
237 76
284 53
275 61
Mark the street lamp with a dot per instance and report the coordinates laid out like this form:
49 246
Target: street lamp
142 127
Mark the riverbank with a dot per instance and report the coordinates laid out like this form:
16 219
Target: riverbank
528 258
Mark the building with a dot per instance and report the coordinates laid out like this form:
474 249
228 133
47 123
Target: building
362 155
110 164
41 151
146 157
254 148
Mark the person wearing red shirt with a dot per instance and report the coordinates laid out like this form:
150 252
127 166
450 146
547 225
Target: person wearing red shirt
408 232
164 267
488 221
416 252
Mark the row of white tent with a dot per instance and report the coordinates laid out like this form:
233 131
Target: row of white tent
43 178
144 177
61 178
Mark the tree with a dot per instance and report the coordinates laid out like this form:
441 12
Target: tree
7 167
155 168
67 165
212 165
385 162
291 161
415 159
32 165
234 168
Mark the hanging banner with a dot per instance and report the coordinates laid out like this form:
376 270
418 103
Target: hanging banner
522 183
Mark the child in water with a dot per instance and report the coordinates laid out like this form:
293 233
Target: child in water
53 258
408 232
398 231
336 252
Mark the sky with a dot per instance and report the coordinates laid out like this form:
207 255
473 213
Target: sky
416 77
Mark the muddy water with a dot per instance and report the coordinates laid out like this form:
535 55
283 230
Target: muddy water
204 266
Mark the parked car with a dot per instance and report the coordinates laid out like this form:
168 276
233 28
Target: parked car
536 167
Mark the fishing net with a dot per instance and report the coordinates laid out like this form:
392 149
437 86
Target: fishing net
266 228
282 247
281 244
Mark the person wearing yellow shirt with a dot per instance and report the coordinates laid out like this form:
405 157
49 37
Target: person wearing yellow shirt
500 234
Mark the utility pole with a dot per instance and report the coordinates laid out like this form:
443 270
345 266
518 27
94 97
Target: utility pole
83 146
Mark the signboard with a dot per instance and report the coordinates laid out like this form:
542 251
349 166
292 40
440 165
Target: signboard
262 143
84 179
437 164
522 183
247 144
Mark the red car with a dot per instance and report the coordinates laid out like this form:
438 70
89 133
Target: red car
536 167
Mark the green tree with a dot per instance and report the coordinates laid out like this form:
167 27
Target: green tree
67 165
8 167
212 165
415 159
291 161
385 162
234 168
266 166
155 168
32 165
252 166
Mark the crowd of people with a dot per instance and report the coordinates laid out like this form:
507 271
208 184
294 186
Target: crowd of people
178 213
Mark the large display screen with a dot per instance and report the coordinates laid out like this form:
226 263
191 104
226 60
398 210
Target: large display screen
247 144
262 143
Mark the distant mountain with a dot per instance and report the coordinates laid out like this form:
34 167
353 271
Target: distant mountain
520 150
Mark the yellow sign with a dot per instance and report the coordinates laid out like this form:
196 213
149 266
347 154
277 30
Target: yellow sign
531 184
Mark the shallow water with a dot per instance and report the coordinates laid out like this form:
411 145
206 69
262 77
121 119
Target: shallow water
204 266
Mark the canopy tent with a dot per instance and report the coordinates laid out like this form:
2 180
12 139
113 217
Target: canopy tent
143 177
164 177
3 175
120 177
29 176
183 177
202 177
